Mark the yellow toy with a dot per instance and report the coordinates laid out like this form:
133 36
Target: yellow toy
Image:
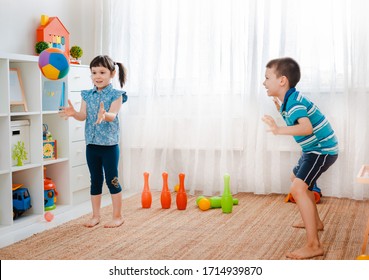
204 204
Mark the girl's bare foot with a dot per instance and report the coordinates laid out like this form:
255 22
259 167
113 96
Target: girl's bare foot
92 222
305 253
319 226
117 222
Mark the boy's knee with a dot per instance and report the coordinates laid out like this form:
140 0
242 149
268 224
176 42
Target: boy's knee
298 187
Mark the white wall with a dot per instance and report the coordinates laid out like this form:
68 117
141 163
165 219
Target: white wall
19 20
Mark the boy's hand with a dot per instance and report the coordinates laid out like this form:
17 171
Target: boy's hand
101 114
271 124
277 103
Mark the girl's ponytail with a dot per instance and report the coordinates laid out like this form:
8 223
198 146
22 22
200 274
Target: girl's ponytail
122 74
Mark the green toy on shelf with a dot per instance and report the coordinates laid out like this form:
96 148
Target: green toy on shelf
76 52
41 46
19 153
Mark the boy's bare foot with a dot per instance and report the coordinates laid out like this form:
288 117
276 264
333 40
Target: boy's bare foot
92 222
305 253
114 223
319 226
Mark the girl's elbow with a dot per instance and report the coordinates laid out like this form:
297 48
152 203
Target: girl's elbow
83 117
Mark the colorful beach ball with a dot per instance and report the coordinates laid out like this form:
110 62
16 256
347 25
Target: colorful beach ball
53 64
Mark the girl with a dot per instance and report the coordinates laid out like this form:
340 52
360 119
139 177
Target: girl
100 107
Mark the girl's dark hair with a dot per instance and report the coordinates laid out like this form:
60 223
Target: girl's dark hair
107 62
288 67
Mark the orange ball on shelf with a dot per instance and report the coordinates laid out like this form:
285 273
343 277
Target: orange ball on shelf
49 216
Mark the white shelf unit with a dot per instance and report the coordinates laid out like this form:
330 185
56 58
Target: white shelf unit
79 78
31 174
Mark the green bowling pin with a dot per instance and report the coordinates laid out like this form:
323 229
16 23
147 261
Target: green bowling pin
216 201
227 199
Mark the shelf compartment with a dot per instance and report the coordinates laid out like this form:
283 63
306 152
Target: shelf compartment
53 172
31 80
58 127
4 87
31 178
6 216
5 153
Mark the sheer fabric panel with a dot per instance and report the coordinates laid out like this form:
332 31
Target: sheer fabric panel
195 74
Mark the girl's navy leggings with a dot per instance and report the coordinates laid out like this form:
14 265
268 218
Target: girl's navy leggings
103 160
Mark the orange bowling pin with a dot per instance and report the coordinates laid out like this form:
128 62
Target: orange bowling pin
181 198
146 197
165 197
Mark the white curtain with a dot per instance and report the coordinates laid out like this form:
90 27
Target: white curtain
195 73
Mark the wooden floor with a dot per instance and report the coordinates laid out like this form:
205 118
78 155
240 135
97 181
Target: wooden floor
259 228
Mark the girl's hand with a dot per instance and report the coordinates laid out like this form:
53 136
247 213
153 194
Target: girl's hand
67 112
271 124
101 114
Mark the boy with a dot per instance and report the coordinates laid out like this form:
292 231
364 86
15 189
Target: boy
313 133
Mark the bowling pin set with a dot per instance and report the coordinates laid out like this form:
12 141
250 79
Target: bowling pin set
226 201
165 197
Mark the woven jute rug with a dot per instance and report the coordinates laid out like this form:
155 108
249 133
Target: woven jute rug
259 228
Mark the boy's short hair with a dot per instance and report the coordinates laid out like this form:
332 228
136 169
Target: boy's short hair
288 67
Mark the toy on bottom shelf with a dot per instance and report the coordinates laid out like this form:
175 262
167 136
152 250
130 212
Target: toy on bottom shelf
21 200
50 193
49 216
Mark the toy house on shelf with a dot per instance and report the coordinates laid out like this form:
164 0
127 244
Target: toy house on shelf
53 32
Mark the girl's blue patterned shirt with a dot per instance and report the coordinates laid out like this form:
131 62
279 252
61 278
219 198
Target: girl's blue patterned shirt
105 133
